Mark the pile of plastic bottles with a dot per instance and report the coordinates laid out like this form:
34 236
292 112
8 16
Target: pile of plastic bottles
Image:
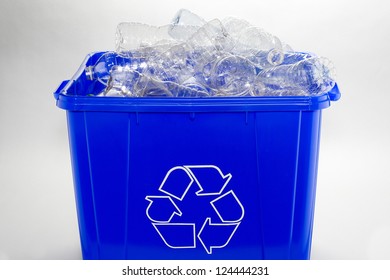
194 58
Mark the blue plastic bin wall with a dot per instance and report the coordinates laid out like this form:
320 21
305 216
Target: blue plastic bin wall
208 178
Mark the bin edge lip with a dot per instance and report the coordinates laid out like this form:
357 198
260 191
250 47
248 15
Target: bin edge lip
166 104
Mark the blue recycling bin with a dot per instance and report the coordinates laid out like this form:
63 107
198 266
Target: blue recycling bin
192 178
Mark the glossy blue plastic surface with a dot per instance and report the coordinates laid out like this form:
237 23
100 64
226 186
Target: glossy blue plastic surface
212 178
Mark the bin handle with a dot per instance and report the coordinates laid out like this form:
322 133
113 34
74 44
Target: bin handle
334 94
60 88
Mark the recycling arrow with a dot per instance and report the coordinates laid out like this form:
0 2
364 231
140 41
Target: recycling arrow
176 182
228 207
177 235
209 178
210 183
161 209
216 235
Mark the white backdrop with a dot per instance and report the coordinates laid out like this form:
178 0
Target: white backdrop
43 42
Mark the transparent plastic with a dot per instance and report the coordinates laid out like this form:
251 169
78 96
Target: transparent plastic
314 75
192 57
131 36
101 71
185 24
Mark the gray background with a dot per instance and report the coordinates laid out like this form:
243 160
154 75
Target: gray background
43 42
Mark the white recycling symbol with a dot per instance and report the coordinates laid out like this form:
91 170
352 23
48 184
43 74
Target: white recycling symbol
210 182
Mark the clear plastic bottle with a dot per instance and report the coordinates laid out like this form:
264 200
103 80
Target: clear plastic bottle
294 57
314 75
131 36
192 88
102 68
127 82
184 25
232 76
261 47
121 82
212 36
192 57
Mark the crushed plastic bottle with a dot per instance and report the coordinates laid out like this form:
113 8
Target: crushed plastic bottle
101 71
233 76
192 57
312 75
131 36
184 25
